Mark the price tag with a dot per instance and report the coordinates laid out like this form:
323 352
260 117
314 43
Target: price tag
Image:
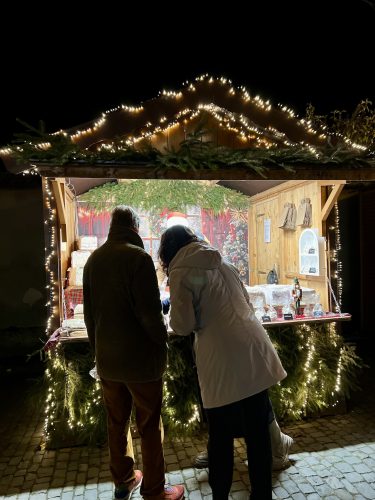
266 318
288 316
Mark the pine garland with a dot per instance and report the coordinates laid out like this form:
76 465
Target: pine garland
321 370
156 195
194 154
181 393
77 415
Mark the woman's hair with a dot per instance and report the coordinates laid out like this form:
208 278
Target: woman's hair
172 240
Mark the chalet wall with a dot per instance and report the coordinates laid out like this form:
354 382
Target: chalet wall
282 250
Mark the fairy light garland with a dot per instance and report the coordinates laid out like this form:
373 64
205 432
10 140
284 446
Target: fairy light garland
265 105
335 257
337 253
57 363
190 423
50 253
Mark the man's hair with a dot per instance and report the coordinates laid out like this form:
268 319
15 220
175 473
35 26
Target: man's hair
124 216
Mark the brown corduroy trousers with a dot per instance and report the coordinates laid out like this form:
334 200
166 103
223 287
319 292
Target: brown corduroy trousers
147 398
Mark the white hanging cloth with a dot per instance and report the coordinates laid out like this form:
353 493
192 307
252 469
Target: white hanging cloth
288 217
304 216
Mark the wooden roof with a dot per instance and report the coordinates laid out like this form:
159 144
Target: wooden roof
231 117
239 120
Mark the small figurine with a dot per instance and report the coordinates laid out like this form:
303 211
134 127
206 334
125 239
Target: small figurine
297 295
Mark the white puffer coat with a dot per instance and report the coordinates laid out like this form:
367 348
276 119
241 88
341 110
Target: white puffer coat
234 355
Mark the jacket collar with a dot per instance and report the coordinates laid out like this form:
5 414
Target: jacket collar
125 235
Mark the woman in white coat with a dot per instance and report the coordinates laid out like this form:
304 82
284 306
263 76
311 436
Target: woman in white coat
236 361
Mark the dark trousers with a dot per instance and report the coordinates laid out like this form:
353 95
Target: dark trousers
248 418
147 398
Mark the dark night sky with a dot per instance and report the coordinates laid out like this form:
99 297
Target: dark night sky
68 68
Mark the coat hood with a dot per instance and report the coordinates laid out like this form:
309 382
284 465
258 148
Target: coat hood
125 235
197 255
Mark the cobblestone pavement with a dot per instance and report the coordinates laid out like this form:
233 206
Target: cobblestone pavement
332 458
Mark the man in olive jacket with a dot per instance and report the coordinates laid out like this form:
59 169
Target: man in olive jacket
125 327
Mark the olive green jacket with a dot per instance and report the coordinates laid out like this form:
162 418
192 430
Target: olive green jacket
122 310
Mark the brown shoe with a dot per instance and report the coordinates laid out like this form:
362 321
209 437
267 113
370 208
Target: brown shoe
124 491
170 493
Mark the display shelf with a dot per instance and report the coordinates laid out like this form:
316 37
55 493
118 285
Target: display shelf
327 318
81 335
311 251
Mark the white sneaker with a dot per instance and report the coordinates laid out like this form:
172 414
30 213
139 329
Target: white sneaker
281 460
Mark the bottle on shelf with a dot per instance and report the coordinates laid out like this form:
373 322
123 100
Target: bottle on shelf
318 311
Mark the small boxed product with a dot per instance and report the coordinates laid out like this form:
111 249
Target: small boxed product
282 295
87 242
309 295
78 311
257 296
75 276
73 323
79 258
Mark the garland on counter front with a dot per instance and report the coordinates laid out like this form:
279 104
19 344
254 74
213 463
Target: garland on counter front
321 368
74 410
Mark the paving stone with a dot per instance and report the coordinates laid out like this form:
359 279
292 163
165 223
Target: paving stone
195 495
53 492
191 484
315 480
334 482
348 486
90 494
366 490
281 492
236 495
361 468
188 473
107 495
205 488
306 488
324 490
290 486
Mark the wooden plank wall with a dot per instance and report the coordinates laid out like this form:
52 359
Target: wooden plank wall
66 219
71 228
282 251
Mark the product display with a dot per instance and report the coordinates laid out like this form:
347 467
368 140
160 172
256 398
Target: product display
87 242
79 258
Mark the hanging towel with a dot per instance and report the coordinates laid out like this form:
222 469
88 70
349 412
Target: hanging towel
288 217
304 213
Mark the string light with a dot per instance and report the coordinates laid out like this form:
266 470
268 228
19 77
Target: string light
191 87
337 252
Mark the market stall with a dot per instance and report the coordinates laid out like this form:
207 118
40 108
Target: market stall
208 130
321 368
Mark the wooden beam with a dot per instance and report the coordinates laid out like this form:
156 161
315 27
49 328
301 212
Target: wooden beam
276 190
58 191
331 183
332 198
113 171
